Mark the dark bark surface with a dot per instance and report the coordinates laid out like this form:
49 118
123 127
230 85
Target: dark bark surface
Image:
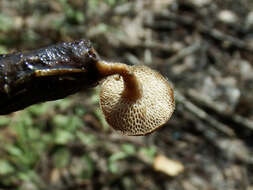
49 73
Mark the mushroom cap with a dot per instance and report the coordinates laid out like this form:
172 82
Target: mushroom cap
144 115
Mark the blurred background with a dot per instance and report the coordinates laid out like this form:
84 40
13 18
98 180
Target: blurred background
203 47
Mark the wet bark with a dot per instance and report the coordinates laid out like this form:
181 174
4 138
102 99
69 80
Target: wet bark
46 74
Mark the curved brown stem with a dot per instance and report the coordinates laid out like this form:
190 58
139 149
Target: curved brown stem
132 87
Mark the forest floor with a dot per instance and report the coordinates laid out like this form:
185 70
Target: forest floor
203 47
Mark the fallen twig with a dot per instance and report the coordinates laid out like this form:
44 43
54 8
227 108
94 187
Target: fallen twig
214 33
235 118
183 53
151 45
188 105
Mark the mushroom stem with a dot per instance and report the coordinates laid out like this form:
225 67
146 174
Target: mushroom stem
132 87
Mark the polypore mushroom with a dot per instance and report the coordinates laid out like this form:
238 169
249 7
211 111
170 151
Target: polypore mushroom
135 100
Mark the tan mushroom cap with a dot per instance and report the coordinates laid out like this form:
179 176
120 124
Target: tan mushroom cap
137 115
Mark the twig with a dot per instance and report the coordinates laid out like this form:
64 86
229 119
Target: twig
214 33
231 40
235 118
151 45
183 53
203 115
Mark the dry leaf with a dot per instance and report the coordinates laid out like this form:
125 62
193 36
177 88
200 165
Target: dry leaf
168 166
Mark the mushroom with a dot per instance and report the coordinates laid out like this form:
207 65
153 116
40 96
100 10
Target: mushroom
135 100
